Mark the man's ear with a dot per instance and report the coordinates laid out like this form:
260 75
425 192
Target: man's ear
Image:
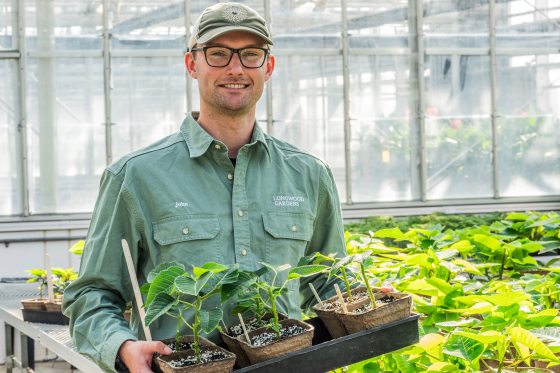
190 65
270 62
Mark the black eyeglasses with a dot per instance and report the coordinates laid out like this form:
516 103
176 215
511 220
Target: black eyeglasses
251 57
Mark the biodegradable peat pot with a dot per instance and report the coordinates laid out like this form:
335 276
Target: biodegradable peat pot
357 319
328 316
34 304
53 306
234 331
285 345
168 363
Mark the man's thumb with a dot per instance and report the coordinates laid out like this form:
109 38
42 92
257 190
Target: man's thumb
162 348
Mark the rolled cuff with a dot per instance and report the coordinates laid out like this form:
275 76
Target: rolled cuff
111 348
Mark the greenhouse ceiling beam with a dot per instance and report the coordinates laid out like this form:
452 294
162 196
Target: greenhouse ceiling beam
4 55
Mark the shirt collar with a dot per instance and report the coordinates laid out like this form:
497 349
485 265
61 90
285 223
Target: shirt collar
198 140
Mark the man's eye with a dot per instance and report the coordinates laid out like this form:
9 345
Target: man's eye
251 53
218 53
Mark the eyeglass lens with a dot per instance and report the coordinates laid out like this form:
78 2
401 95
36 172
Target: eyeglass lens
221 56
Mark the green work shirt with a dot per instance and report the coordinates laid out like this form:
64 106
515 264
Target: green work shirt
181 199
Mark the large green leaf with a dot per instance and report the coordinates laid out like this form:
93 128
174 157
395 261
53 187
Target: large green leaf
441 285
442 366
160 305
395 233
154 272
305 271
209 267
526 338
209 319
488 241
163 282
517 216
477 309
186 285
245 281
487 337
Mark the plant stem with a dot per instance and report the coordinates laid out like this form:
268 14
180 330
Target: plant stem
503 263
274 313
370 293
178 332
195 328
347 283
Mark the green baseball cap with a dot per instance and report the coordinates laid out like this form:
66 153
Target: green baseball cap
221 18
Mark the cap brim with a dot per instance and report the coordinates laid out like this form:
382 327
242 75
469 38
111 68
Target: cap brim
224 30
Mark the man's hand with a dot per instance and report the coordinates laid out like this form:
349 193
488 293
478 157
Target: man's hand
137 355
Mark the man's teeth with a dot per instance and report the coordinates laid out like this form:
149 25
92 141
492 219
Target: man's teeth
237 86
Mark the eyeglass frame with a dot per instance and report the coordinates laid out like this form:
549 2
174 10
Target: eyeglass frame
233 51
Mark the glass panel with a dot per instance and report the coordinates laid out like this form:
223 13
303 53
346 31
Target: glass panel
148 101
10 177
528 24
377 17
457 85
306 24
529 156
381 129
66 137
459 158
149 24
63 25
7 24
308 109
456 24
528 137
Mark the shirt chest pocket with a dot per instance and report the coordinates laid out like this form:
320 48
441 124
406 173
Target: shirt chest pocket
189 238
287 236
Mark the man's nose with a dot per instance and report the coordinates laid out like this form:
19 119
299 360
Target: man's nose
235 65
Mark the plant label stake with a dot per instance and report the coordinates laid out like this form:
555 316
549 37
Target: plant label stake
340 298
50 290
244 329
136 288
316 295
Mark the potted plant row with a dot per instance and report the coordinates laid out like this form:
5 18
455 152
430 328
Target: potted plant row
362 307
173 290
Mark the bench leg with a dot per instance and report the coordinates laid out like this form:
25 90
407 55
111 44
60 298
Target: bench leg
9 334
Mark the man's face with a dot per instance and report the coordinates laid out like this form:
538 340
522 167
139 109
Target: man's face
232 89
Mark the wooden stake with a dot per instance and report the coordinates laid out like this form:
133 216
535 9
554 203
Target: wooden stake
136 288
316 295
50 289
244 329
340 298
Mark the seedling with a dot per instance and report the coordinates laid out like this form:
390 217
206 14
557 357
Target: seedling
172 291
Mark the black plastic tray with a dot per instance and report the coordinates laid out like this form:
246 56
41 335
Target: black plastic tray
326 353
45 317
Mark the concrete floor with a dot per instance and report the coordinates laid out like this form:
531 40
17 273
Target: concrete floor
48 367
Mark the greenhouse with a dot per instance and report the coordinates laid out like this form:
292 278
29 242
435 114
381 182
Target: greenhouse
290 163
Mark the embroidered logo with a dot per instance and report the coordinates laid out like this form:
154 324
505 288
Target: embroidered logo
234 13
181 204
291 201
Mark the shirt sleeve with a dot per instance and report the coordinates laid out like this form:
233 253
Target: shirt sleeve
95 301
327 238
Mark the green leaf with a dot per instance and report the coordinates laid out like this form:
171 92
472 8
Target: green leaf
477 309
455 324
395 233
154 272
209 267
442 366
487 337
462 246
78 247
209 319
517 216
440 284
305 271
186 285
163 282
161 304
488 241
526 338
542 318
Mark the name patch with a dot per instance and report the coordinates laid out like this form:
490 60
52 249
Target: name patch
181 204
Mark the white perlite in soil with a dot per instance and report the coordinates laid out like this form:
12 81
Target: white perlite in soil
386 299
206 356
237 330
267 338
182 346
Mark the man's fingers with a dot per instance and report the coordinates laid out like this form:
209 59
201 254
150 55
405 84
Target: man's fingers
162 348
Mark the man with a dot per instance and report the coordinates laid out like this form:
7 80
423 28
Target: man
218 190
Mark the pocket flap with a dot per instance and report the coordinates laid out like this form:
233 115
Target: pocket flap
188 227
297 226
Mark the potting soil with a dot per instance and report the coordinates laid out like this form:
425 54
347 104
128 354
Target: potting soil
266 338
206 356
237 330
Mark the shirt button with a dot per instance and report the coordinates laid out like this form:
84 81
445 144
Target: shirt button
243 252
230 176
294 228
186 230
240 213
217 146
